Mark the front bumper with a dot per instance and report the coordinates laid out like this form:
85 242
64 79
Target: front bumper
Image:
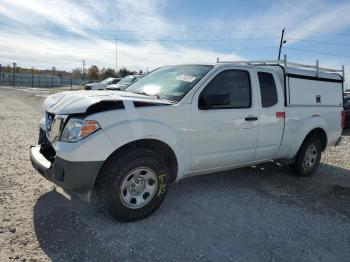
72 176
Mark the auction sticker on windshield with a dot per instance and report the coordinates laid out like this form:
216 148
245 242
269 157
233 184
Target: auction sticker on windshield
186 78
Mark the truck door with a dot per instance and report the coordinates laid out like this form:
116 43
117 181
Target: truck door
272 115
224 121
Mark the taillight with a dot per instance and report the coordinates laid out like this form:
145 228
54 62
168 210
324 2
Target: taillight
342 119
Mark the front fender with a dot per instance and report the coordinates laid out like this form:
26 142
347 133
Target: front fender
130 131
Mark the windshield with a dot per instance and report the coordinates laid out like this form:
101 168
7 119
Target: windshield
170 82
127 80
107 80
347 102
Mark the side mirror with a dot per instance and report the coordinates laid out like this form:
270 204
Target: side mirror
213 100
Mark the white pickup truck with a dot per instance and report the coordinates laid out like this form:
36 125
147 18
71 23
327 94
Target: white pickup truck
185 120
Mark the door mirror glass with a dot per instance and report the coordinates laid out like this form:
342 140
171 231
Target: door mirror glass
214 100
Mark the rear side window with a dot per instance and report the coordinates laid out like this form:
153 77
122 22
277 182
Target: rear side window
268 89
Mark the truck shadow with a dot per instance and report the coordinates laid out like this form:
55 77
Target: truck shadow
221 205
61 232
327 192
346 132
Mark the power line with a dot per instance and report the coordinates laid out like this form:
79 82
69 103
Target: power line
318 32
131 51
319 42
188 30
194 40
316 52
199 52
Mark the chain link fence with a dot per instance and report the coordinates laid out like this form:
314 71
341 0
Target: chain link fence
37 80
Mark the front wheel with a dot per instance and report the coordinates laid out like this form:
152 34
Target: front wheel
135 184
308 158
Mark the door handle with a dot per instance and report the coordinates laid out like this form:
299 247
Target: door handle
251 118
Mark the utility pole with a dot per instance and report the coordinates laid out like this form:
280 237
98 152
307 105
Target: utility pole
32 76
83 69
13 74
116 55
281 44
52 72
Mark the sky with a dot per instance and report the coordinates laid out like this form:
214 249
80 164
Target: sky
150 33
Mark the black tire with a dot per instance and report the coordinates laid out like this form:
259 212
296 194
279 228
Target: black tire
304 165
121 166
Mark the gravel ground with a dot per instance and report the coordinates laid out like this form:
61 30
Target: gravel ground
261 213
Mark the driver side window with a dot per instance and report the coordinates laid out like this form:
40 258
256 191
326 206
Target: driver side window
229 89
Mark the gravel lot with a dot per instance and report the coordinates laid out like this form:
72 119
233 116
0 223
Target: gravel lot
261 213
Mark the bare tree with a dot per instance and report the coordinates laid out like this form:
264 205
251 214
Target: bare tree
93 72
123 72
76 72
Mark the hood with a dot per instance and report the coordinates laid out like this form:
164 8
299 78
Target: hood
78 102
115 86
92 84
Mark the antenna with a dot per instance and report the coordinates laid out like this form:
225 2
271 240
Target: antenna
281 44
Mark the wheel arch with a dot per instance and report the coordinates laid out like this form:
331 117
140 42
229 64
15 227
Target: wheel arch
318 132
155 145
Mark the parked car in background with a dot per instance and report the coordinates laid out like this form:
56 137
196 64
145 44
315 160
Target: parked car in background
102 85
347 111
124 83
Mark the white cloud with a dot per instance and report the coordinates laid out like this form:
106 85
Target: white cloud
62 32
301 18
35 51
37 13
32 42
326 20
82 17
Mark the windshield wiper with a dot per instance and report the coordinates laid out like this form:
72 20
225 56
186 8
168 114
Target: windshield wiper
146 94
156 96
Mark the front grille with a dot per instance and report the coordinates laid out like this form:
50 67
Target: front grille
46 148
48 151
54 125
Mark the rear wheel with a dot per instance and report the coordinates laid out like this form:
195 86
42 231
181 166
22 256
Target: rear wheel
134 185
308 158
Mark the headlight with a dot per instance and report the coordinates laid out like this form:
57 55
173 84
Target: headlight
76 129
